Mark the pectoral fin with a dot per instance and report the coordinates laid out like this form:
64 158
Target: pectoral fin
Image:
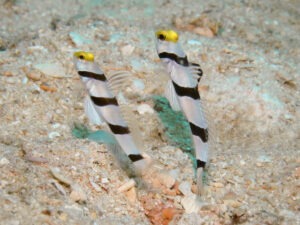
91 112
170 94
196 71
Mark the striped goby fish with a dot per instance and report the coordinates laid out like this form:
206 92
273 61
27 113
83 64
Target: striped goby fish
102 105
182 92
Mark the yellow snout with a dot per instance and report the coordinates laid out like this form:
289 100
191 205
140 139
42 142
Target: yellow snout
88 56
167 35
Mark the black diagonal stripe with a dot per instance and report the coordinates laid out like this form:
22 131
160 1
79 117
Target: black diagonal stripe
186 91
200 164
135 158
200 132
95 76
183 61
116 129
99 101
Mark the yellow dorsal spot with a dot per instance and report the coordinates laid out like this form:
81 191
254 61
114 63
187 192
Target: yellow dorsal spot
167 35
84 56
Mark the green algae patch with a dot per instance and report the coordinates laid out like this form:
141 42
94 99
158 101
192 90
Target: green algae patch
100 136
176 127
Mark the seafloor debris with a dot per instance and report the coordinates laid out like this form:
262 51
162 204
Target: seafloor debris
160 211
33 75
51 69
46 87
77 194
79 40
60 177
127 50
191 203
128 185
203 25
144 108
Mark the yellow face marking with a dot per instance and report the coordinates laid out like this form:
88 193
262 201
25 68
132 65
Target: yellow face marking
84 56
167 35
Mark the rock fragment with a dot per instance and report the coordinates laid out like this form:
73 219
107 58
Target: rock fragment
51 69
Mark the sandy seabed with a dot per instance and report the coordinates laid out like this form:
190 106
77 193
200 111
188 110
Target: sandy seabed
249 52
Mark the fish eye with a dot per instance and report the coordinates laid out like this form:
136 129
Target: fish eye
81 57
161 37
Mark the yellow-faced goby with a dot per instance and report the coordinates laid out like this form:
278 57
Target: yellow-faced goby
102 106
182 92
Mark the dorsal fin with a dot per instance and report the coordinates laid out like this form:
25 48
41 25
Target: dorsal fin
212 131
118 80
130 118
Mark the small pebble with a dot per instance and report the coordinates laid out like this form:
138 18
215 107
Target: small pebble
127 50
77 194
166 179
232 203
204 31
138 85
191 204
145 108
4 161
95 186
56 125
51 69
39 48
57 174
35 76
185 188
7 74
217 185
53 134
104 180
127 186
259 164
230 196
131 195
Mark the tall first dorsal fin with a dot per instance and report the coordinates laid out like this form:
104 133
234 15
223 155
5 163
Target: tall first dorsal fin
130 118
118 80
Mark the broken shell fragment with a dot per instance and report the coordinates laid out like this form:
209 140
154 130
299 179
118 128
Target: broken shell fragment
128 185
